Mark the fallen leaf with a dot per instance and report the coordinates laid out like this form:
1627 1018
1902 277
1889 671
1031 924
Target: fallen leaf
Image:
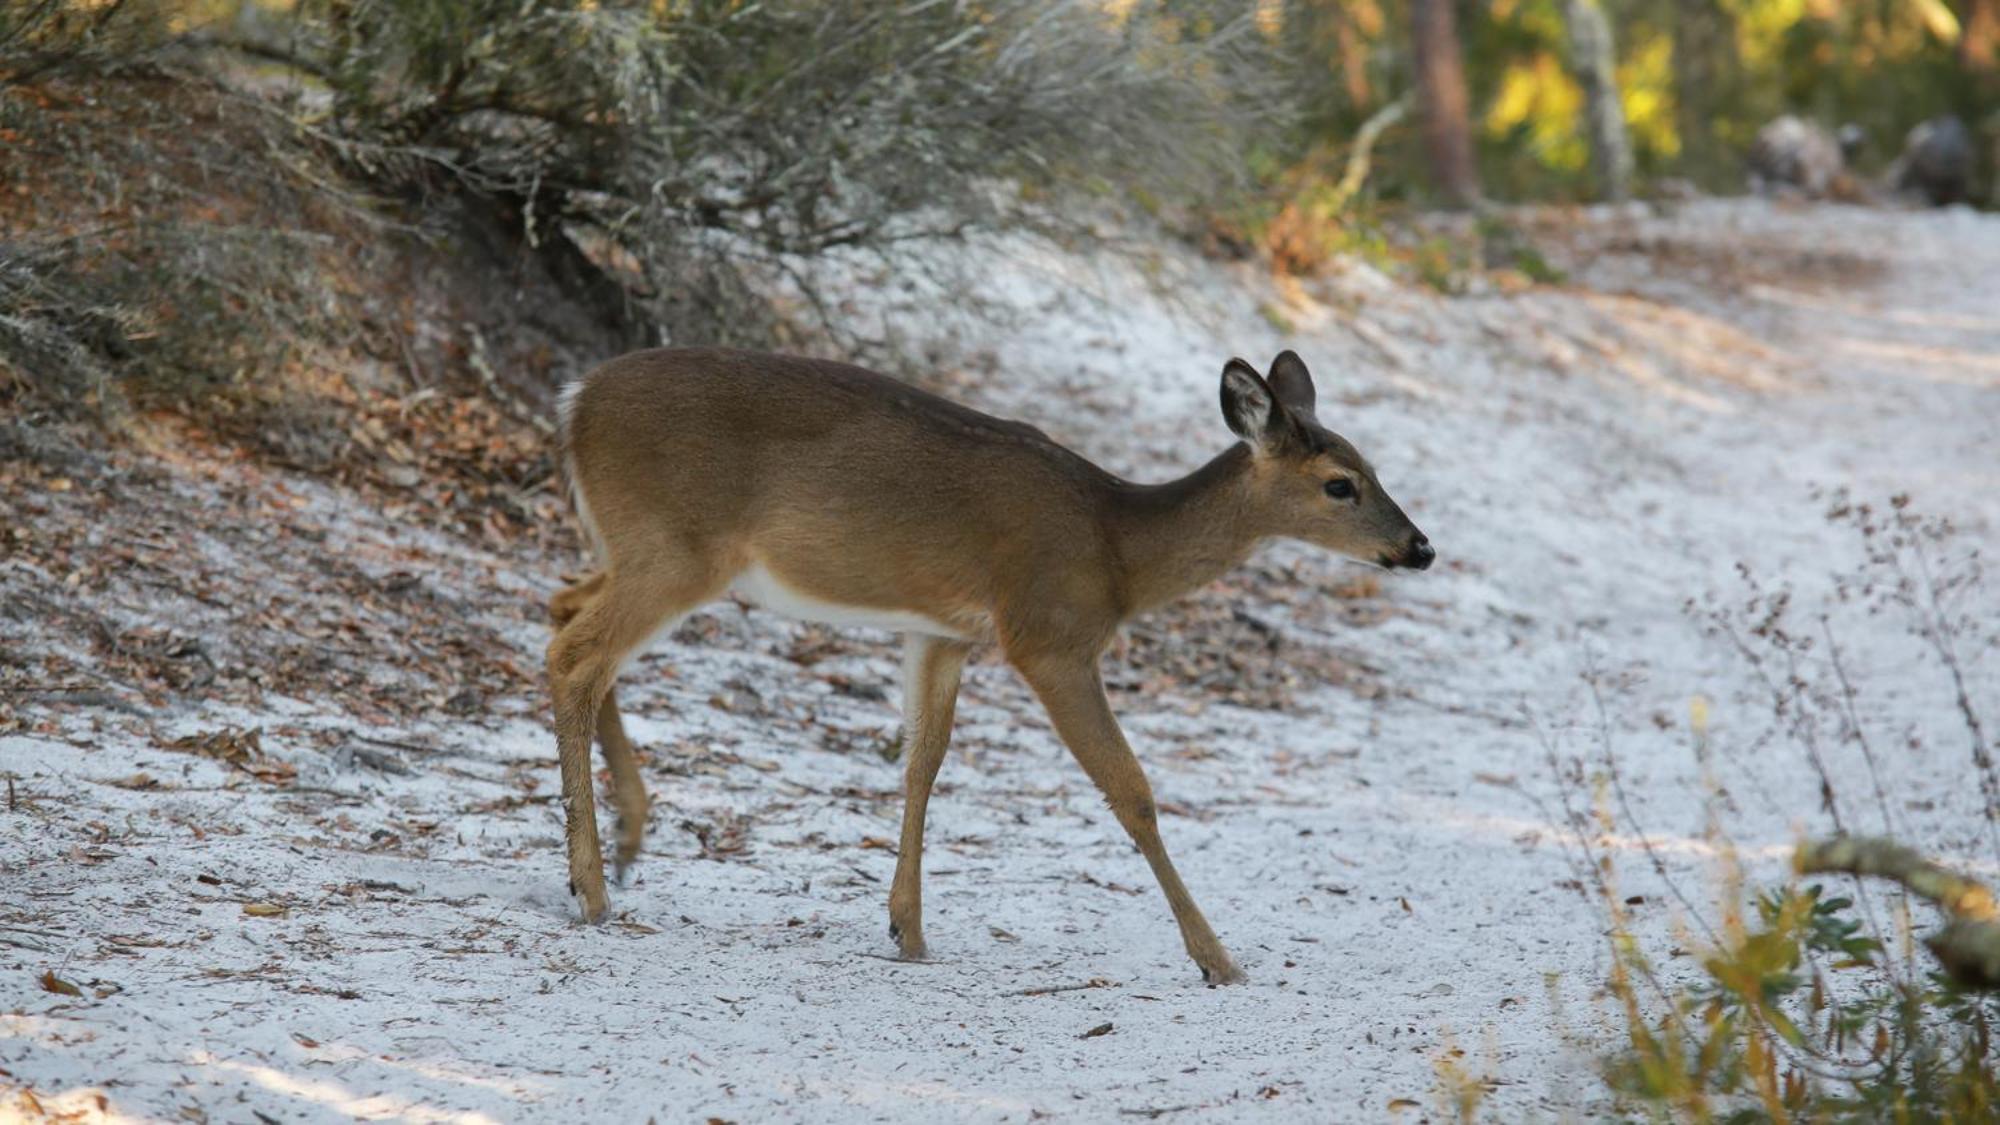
1100 1029
264 909
53 983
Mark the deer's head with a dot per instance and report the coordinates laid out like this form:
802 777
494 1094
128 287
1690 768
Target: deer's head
1309 482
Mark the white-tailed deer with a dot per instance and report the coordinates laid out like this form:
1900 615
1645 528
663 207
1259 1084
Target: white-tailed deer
839 495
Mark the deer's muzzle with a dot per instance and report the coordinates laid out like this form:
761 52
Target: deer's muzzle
1417 555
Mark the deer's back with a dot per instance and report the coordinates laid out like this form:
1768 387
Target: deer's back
865 488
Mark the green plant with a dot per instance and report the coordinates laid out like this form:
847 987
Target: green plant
1802 1017
1811 1006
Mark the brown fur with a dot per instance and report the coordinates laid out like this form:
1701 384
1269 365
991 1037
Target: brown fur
854 489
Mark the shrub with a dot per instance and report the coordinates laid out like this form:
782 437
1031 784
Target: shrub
1802 1017
699 147
38 36
1810 1005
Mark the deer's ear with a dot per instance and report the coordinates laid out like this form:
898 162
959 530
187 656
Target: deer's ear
1249 406
1291 383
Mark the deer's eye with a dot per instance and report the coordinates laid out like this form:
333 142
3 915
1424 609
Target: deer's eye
1340 488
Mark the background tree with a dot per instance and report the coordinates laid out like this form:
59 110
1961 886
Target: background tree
1979 36
1443 102
1594 57
1704 60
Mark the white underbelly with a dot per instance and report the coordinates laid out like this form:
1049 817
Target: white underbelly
761 588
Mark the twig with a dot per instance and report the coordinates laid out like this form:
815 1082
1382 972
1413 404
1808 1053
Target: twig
1847 697
30 938
377 760
1358 161
395 744
1049 990
1955 894
1611 771
1938 628
1968 946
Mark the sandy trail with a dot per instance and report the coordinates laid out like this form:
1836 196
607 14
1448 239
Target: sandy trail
1589 458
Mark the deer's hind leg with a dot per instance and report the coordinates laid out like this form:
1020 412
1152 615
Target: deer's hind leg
631 604
628 788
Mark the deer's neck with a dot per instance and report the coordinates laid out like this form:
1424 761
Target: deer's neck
1183 534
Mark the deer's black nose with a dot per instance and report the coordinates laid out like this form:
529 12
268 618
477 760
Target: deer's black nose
1421 554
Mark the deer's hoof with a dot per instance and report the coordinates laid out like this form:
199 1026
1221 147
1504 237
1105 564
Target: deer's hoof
1225 973
909 944
591 907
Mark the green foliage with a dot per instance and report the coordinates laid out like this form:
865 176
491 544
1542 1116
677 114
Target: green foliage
1804 1017
1697 79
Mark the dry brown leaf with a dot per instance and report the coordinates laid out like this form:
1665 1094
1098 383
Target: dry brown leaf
53 983
265 909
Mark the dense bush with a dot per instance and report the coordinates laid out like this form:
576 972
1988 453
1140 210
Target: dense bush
690 145
674 166
38 36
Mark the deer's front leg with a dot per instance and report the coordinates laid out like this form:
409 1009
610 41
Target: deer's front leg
1074 696
931 668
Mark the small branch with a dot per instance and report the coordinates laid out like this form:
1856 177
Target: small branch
1969 944
1358 160
1955 894
209 39
1050 990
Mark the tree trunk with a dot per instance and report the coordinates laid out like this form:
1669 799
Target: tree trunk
1595 60
1704 74
1353 59
1979 37
1441 98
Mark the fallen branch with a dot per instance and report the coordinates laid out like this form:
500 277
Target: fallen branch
1358 159
1968 946
28 937
1052 989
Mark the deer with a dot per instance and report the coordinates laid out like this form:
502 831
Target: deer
835 494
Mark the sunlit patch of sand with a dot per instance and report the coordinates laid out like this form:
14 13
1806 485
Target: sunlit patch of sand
333 1096
1942 365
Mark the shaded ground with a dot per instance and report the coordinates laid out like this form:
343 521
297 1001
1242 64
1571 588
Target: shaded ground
359 911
